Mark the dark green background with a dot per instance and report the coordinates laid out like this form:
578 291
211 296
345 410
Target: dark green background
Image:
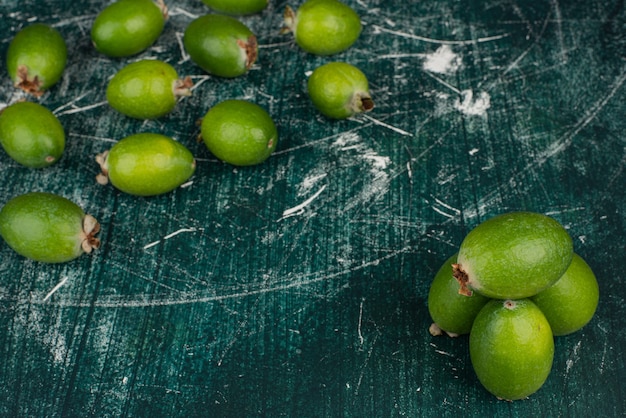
249 313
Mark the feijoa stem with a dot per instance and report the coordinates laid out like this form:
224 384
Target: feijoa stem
90 228
161 5
103 176
289 20
182 87
435 330
462 278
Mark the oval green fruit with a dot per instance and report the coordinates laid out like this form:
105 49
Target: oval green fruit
221 45
239 132
339 90
451 312
513 256
146 89
511 348
237 7
31 134
48 228
571 302
127 27
36 58
323 27
146 164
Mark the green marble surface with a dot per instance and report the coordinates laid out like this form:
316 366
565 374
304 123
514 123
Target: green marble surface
298 287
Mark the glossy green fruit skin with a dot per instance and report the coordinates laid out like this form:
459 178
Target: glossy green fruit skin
31 134
339 90
571 302
221 45
452 312
326 27
44 227
127 27
148 164
36 58
236 7
239 132
511 348
144 89
514 255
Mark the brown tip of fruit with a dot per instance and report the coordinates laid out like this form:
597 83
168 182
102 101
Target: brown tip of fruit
32 86
462 278
367 103
182 87
509 304
289 20
435 330
164 10
103 176
252 50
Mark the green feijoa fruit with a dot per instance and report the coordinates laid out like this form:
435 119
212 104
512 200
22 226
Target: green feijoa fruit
127 27
236 7
36 58
239 132
513 256
339 90
47 227
146 164
31 134
511 348
451 312
147 89
323 27
221 45
571 302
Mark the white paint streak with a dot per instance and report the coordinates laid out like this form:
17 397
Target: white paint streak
55 288
291 282
173 234
299 209
442 61
359 331
468 105
310 181
386 125
379 29
569 363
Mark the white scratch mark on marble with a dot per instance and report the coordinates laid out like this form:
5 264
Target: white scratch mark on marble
310 181
378 29
176 11
445 83
71 107
173 234
569 363
55 289
386 125
290 282
83 109
299 209
360 323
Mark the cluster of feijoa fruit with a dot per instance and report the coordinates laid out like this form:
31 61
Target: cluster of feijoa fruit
50 228
514 285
